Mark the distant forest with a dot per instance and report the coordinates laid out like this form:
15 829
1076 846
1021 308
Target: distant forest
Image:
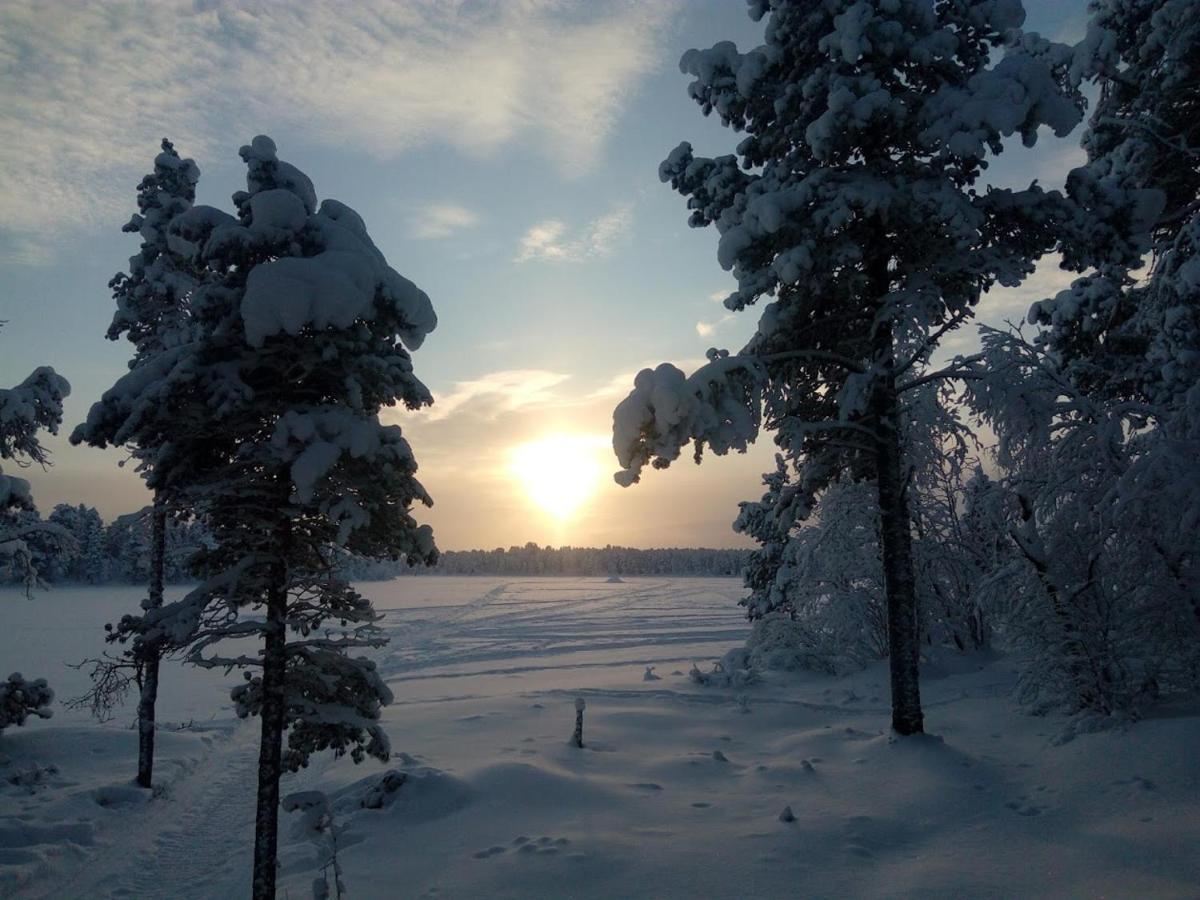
74 545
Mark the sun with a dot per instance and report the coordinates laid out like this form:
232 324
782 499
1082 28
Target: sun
559 472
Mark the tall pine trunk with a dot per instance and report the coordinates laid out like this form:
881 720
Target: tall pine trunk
150 661
899 580
895 523
274 710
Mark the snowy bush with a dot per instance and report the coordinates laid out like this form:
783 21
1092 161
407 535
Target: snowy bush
779 643
21 698
1100 582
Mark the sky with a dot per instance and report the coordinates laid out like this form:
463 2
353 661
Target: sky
504 156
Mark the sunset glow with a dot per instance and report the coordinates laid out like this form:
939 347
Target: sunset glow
560 472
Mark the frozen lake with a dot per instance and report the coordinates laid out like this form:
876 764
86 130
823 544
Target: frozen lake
448 635
678 792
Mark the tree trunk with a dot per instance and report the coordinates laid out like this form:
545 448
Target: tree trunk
266 822
152 653
899 581
895 524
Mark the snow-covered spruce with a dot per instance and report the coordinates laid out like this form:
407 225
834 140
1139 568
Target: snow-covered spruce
157 313
301 336
850 207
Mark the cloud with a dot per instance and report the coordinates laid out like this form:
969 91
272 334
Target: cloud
549 240
496 393
621 384
440 220
543 241
1002 305
706 329
89 90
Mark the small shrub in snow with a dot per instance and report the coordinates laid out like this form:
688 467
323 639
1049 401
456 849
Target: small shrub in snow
20 699
777 643
318 824
732 670
383 793
33 778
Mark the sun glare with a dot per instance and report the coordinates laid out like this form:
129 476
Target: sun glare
560 472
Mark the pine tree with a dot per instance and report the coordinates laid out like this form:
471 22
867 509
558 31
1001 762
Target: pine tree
154 313
303 335
33 405
851 210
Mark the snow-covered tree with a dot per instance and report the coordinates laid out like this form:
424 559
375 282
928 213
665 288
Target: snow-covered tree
1099 413
825 573
87 562
1101 508
851 209
302 336
827 577
1118 335
154 312
33 405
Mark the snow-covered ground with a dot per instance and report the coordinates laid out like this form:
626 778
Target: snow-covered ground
678 792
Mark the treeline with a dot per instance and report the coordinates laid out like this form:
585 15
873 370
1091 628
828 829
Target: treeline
73 544
534 560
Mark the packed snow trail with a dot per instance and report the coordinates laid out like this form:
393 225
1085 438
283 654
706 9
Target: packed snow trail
195 842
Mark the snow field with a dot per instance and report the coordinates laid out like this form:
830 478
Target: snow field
678 791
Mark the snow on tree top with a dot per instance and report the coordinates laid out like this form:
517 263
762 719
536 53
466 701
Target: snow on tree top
332 288
266 170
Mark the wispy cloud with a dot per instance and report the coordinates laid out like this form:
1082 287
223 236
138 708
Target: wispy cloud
90 88
440 220
497 393
622 383
706 329
550 240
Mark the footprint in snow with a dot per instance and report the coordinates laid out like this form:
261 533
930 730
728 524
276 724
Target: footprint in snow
490 852
1021 808
647 786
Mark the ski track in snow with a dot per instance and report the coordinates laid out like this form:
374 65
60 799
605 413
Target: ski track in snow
528 621
195 843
